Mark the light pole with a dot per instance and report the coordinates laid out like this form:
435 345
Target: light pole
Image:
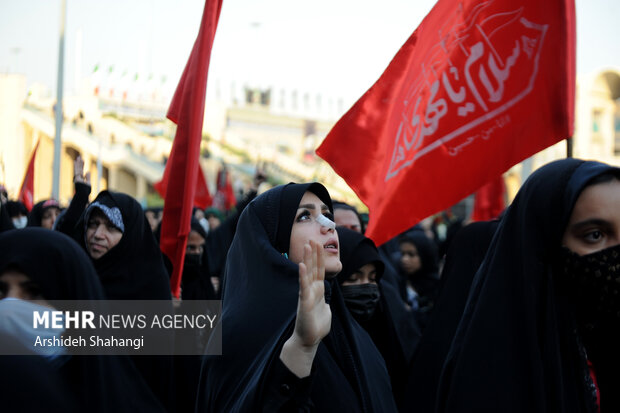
59 111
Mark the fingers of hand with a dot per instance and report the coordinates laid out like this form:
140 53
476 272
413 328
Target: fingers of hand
315 260
303 279
320 262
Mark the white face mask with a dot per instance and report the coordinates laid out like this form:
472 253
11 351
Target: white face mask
16 320
20 222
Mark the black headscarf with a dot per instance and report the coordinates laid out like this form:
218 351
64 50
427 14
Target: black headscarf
6 223
36 215
260 296
15 208
196 281
425 280
393 329
356 251
466 252
134 268
63 271
427 250
516 347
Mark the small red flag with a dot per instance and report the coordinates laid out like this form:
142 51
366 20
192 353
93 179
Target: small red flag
478 87
489 200
225 196
26 193
183 167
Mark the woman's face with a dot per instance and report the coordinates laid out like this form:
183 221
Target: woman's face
101 235
15 284
367 274
594 224
409 258
49 217
306 228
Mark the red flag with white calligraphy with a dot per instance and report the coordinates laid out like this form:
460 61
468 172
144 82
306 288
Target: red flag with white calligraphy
477 88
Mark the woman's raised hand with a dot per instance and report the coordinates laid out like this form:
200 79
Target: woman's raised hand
314 317
78 171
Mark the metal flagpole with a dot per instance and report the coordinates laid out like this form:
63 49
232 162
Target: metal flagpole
58 110
569 147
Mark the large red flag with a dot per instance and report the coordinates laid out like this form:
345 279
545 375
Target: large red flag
202 196
478 87
489 201
187 111
26 193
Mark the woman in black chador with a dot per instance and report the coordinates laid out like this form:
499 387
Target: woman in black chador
377 306
544 302
419 272
38 264
288 341
116 235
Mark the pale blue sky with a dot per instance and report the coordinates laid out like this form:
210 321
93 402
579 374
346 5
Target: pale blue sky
340 46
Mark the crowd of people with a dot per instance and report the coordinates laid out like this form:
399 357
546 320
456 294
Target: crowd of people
518 314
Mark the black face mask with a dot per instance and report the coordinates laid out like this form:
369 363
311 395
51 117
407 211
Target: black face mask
193 259
361 300
594 282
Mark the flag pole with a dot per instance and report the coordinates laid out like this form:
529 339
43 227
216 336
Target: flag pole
59 112
569 147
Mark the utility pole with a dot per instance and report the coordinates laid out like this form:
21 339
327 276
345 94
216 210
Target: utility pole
59 110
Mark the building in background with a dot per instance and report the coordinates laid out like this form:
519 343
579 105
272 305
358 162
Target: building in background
245 125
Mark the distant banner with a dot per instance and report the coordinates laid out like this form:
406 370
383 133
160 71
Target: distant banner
478 87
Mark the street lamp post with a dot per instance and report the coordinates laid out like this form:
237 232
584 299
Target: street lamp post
59 111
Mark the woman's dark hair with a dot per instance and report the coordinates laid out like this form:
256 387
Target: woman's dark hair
347 207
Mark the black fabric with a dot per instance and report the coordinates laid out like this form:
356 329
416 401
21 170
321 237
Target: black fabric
259 307
287 392
425 281
36 215
134 268
516 348
466 252
15 208
30 384
131 270
5 219
68 220
63 271
393 329
356 251
219 239
196 281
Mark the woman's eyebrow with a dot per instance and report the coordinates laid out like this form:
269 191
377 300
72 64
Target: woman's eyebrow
590 222
308 206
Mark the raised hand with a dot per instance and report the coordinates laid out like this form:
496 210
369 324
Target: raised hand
314 316
78 171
